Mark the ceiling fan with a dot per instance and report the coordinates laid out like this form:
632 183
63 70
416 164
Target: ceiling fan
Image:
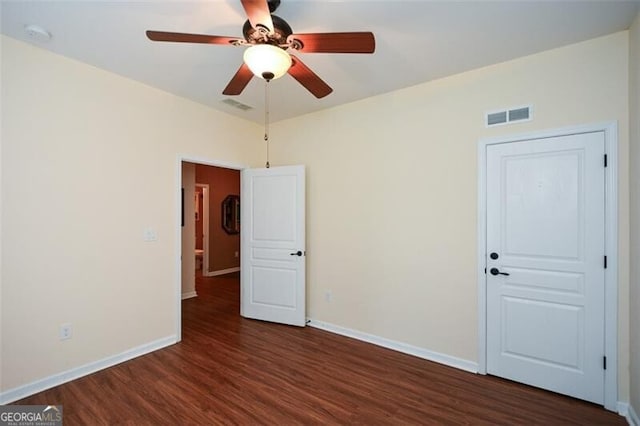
267 38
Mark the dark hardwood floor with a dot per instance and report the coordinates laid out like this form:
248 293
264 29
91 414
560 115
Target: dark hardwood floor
230 370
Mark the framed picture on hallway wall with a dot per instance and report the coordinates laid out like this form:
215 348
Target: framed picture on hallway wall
231 214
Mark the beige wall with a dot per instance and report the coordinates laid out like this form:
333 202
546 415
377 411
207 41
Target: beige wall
89 159
392 191
634 160
188 230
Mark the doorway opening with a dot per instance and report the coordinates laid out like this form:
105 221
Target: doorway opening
205 248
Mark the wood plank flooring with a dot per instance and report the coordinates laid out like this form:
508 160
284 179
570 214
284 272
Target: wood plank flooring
230 370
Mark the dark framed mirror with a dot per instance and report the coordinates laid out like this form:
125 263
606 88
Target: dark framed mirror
231 214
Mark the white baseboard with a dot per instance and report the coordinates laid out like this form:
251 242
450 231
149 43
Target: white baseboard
632 417
221 272
189 295
623 409
626 410
23 391
448 360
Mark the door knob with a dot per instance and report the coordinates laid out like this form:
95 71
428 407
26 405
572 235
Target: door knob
496 271
298 253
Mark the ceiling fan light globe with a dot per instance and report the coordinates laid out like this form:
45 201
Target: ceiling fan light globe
266 60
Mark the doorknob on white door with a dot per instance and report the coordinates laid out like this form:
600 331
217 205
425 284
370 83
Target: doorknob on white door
496 271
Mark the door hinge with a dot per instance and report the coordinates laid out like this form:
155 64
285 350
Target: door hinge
604 362
605 160
605 262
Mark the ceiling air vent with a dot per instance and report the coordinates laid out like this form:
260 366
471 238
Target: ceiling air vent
506 116
236 104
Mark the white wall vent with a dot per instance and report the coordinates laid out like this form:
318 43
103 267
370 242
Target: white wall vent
506 116
236 104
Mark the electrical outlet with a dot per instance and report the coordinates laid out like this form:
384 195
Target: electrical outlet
327 296
236 254
150 235
65 331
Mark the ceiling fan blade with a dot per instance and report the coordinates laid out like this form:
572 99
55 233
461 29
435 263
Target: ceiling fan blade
308 78
358 42
191 38
258 13
239 81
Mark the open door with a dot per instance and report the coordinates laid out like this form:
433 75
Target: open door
272 263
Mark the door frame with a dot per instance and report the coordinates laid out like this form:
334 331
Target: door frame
177 278
610 130
205 226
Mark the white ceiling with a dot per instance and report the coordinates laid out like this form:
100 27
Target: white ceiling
416 41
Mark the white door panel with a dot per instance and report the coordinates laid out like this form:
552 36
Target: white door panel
278 289
274 209
534 199
536 344
273 233
545 223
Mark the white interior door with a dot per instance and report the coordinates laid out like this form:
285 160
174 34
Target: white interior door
272 269
545 263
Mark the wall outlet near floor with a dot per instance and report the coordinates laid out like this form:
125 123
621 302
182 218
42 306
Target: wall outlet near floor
150 235
65 331
236 254
328 296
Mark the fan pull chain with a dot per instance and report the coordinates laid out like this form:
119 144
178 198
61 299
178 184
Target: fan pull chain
266 117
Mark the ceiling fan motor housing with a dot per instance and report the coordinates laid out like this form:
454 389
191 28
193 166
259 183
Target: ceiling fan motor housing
273 5
260 35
